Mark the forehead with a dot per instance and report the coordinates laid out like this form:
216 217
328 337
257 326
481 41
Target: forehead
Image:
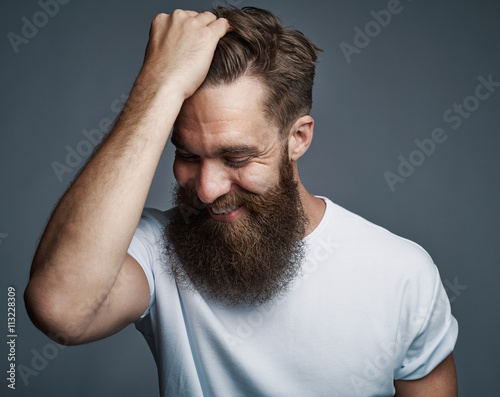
225 114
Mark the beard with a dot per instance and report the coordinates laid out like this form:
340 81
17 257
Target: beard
248 261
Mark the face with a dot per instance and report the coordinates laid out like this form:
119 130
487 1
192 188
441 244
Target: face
244 243
225 145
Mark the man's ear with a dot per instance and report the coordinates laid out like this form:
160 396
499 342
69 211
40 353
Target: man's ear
300 138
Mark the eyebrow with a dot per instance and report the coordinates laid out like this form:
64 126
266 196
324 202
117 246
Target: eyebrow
234 149
237 149
176 143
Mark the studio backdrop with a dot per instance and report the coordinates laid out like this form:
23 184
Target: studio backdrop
406 110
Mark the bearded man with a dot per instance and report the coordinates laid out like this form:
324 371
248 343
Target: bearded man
250 285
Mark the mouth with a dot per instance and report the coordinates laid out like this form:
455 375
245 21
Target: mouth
225 214
221 211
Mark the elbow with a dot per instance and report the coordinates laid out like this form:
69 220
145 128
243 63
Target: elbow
44 311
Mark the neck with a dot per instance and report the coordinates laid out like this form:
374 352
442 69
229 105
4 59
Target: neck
314 208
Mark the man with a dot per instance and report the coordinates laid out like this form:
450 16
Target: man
251 285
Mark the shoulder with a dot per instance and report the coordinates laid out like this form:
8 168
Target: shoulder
373 248
356 230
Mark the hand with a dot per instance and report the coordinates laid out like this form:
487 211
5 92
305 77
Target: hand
180 50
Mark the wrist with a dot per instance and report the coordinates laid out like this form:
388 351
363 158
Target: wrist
149 95
154 83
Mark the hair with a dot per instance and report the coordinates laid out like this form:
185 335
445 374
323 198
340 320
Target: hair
282 59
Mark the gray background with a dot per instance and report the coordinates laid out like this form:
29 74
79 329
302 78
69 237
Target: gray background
368 112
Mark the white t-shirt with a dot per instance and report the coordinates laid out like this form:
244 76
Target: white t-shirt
369 308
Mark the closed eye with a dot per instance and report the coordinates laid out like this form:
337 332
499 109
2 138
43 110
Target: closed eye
237 163
186 156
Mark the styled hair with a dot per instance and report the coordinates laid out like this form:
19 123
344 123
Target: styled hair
282 59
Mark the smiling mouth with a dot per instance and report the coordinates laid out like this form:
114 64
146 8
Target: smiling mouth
226 214
223 211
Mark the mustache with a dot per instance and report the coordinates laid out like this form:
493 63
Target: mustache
254 203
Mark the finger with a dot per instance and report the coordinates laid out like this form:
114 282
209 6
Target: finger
206 17
191 13
220 27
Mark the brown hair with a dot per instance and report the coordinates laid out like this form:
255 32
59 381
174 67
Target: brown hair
283 59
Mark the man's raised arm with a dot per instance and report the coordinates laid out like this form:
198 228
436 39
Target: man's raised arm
83 285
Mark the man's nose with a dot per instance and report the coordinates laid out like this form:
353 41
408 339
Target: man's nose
212 181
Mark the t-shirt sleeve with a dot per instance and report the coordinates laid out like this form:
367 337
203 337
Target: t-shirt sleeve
144 248
430 331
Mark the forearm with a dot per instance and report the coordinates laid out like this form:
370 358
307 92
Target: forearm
82 251
86 239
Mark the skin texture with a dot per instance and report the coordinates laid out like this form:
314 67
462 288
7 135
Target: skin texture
441 382
216 120
83 285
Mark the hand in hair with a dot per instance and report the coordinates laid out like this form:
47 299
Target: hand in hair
180 49
83 285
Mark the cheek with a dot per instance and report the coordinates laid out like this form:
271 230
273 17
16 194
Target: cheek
257 179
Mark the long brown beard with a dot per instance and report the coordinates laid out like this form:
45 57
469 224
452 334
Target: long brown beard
248 261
